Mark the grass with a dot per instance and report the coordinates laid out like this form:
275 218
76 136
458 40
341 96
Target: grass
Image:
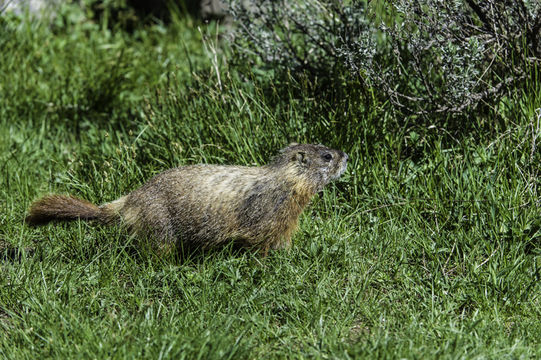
429 247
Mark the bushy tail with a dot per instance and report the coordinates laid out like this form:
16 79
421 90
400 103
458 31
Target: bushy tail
64 208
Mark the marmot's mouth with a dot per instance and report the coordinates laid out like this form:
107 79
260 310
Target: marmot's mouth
342 170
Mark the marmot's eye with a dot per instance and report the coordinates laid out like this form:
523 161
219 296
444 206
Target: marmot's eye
327 157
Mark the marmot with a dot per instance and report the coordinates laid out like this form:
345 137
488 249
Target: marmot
209 205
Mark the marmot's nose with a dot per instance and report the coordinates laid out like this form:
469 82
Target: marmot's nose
344 155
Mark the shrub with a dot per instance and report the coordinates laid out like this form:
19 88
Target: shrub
424 57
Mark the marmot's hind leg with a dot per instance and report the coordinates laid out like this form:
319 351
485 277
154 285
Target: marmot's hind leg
152 227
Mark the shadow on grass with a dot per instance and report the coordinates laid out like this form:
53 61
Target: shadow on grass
9 253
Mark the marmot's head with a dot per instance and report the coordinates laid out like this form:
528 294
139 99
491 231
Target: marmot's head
315 164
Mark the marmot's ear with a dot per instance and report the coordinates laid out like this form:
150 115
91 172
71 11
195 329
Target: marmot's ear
288 148
301 157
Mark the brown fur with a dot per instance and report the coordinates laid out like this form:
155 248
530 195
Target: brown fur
61 207
209 205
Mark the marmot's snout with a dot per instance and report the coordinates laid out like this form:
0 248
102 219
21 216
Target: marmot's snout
343 164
